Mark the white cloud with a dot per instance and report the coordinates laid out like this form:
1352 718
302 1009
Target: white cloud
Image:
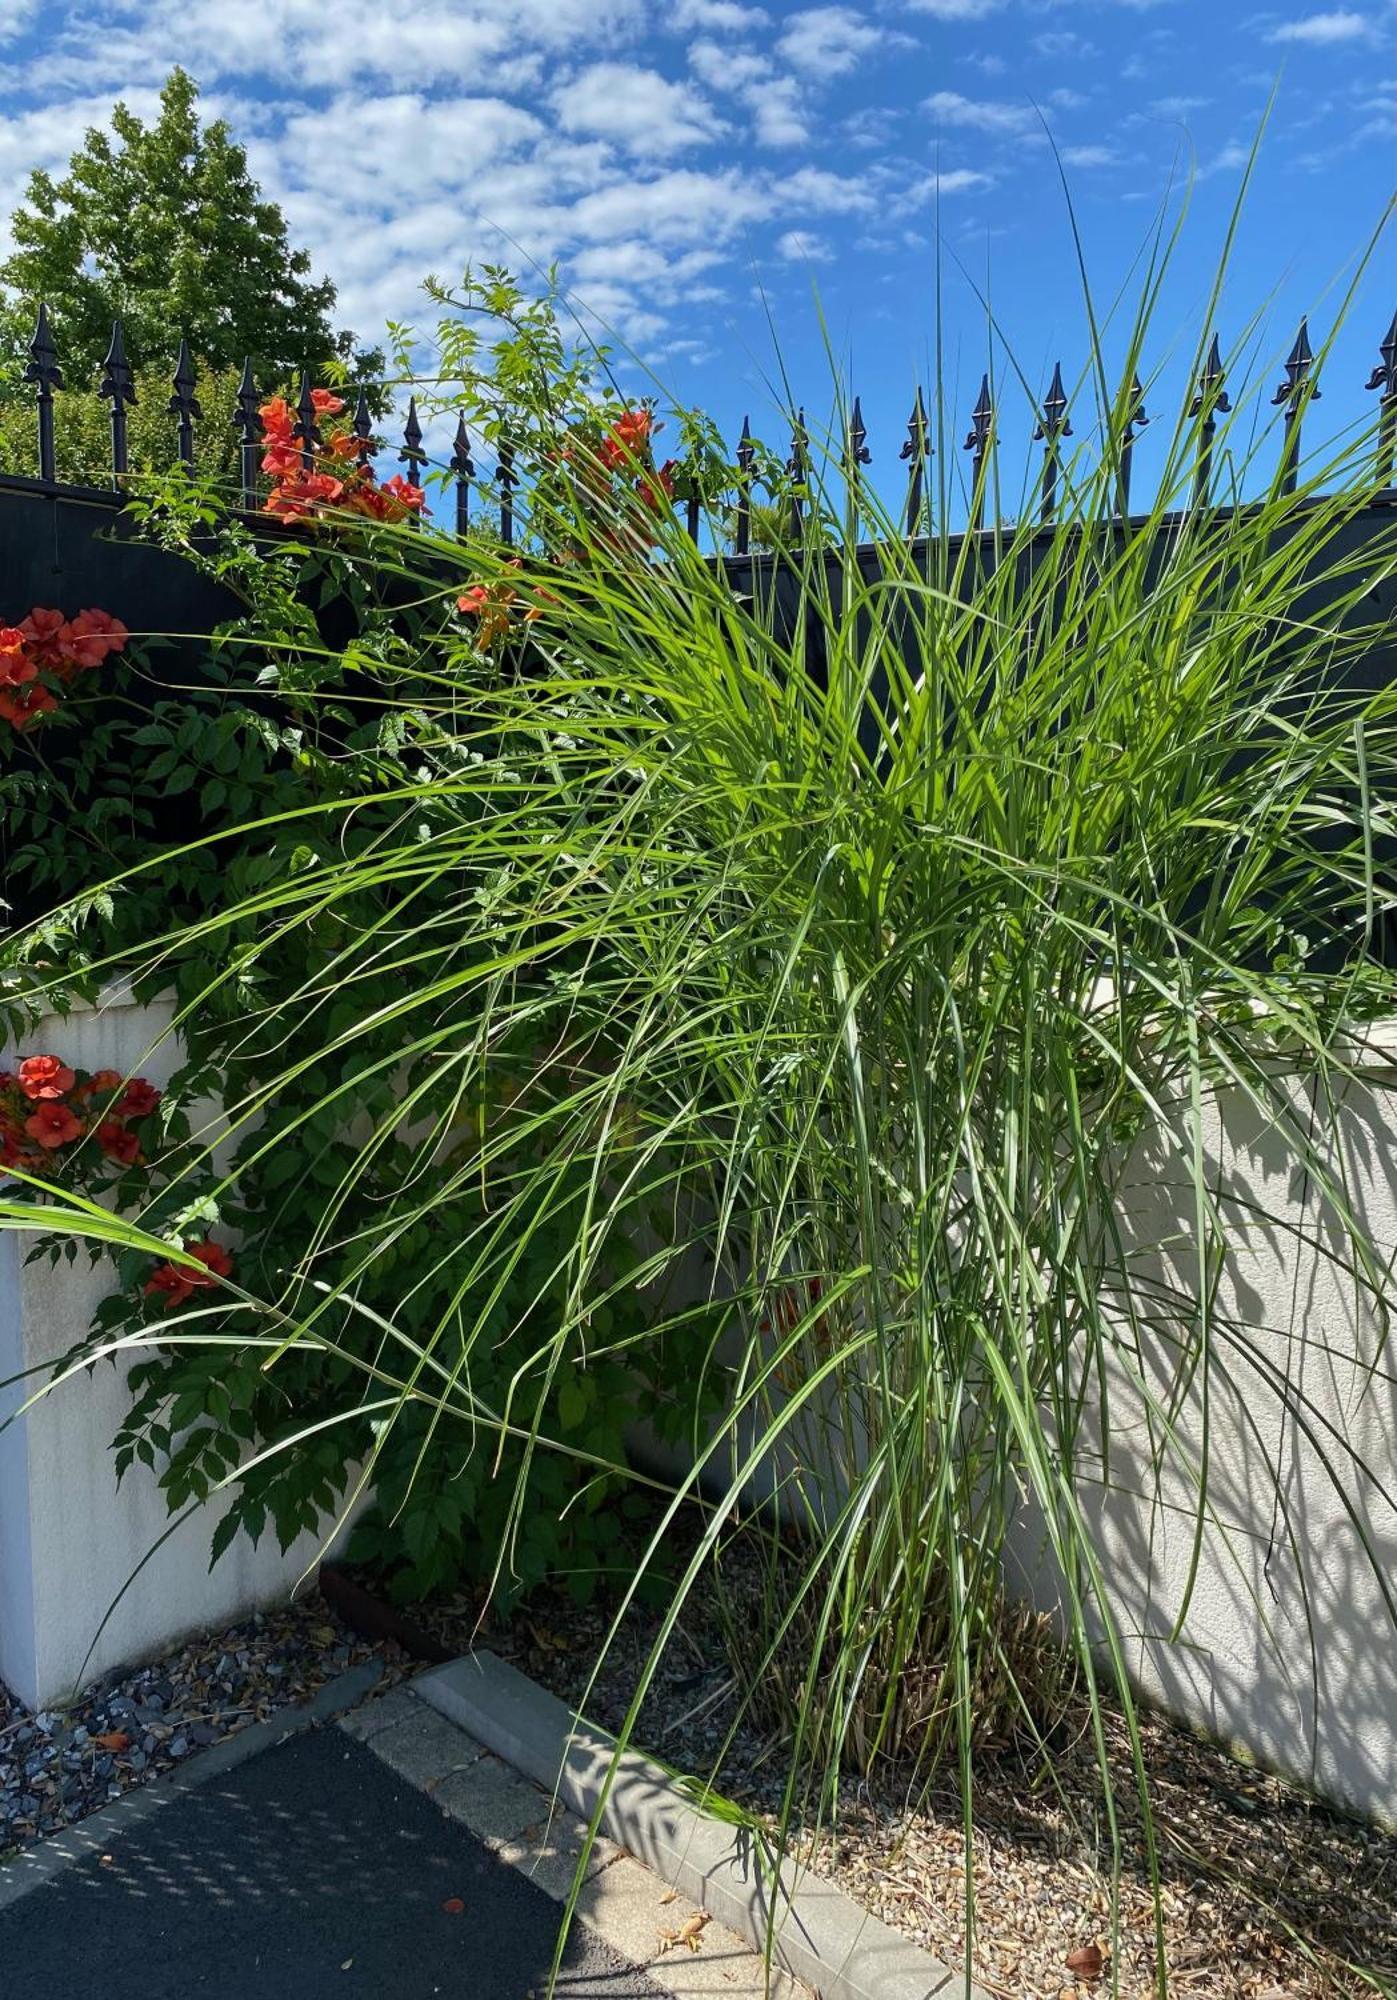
446 132
637 108
679 207
961 180
1229 159
979 114
799 246
724 15
829 41
452 42
954 10
1089 156
1063 44
446 138
777 116
633 263
825 192
1324 30
726 69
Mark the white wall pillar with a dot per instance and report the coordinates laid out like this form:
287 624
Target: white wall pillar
69 1538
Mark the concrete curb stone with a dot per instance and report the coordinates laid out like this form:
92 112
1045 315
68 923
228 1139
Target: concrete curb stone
822 1936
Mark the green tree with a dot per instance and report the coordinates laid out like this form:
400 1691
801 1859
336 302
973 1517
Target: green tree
162 226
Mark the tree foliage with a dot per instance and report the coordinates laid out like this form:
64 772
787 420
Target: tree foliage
162 226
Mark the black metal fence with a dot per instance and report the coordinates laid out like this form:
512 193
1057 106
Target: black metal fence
1295 393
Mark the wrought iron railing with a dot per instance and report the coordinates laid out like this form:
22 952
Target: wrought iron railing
1210 401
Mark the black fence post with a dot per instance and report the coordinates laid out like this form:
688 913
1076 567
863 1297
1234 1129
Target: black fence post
1135 422
916 452
184 404
1209 401
412 454
1384 377
506 479
463 470
1294 394
306 428
856 457
797 467
1053 425
119 390
979 440
742 524
248 424
365 443
46 375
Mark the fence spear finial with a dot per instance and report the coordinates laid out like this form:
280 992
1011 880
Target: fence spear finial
859 454
412 454
1295 392
1053 425
746 454
184 404
46 375
247 422
117 388
1384 377
463 470
1211 399
506 478
306 428
916 451
797 467
1135 421
978 440
363 427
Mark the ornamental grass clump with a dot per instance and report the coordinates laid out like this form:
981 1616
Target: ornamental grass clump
833 954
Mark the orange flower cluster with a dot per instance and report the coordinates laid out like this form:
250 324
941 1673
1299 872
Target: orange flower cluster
492 606
615 476
174 1283
627 448
45 1106
338 477
41 656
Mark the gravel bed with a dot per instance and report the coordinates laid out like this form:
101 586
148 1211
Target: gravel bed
135 1723
1268 1895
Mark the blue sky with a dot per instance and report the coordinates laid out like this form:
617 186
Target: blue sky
699 165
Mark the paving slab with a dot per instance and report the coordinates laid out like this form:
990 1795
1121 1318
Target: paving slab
310 1870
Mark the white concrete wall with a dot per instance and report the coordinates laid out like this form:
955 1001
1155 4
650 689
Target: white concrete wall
69 1539
1314 1695
1309 1688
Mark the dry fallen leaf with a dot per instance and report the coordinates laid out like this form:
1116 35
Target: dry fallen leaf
689 1933
545 1640
453 1906
1086 1961
669 1896
113 1739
